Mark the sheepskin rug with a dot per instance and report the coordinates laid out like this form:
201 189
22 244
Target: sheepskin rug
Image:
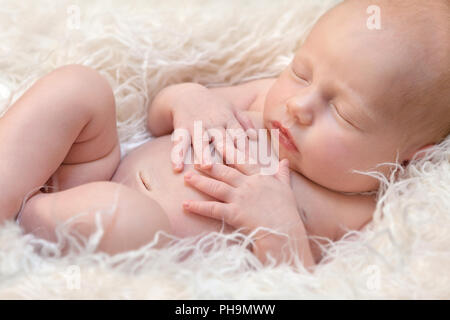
143 46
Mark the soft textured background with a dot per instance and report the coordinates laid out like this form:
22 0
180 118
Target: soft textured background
141 47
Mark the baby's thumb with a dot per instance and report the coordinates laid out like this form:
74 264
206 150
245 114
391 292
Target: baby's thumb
283 172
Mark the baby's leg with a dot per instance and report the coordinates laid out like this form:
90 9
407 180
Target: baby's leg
129 218
64 126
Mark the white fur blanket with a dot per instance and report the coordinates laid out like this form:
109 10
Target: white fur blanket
141 47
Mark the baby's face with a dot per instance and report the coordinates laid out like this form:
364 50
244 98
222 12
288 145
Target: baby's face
335 100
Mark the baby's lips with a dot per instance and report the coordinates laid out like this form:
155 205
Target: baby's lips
206 165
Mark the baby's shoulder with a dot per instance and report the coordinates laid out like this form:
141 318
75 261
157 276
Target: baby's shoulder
246 96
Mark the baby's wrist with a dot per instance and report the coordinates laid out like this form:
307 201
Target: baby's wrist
282 245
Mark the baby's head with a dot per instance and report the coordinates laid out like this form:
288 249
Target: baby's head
354 96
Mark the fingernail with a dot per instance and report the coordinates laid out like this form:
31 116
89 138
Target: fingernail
252 134
206 165
177 165
188 175
186 204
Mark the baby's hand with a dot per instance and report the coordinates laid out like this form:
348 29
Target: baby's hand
214 112
248 202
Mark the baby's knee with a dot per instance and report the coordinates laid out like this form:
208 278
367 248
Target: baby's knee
85 83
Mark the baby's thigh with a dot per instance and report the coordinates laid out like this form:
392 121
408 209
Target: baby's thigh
129 218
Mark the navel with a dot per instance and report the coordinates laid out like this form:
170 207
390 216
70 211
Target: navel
144 181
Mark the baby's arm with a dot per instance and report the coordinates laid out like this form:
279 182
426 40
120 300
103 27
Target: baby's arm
328 213
160 119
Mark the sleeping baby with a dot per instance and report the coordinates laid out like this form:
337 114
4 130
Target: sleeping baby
353 97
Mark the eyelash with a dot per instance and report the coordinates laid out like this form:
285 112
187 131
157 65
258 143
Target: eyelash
299 77
339 115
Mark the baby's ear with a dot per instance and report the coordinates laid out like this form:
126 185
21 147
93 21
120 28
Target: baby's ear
417 154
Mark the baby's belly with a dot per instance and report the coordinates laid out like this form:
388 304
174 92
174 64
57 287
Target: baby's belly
148 169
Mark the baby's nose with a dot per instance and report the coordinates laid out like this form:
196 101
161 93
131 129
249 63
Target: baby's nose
302 112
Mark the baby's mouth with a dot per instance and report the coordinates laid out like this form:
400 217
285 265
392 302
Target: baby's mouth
285 136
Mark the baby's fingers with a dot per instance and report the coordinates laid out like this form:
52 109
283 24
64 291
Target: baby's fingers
201 149
237 133
224 173
223 142
210 209
182 140
212 187
283 172
246 124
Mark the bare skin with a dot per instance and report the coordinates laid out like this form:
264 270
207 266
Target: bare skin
71 113
95 180
320 98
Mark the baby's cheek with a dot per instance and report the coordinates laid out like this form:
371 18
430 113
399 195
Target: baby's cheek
329 160
353 154
340 149
336 154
